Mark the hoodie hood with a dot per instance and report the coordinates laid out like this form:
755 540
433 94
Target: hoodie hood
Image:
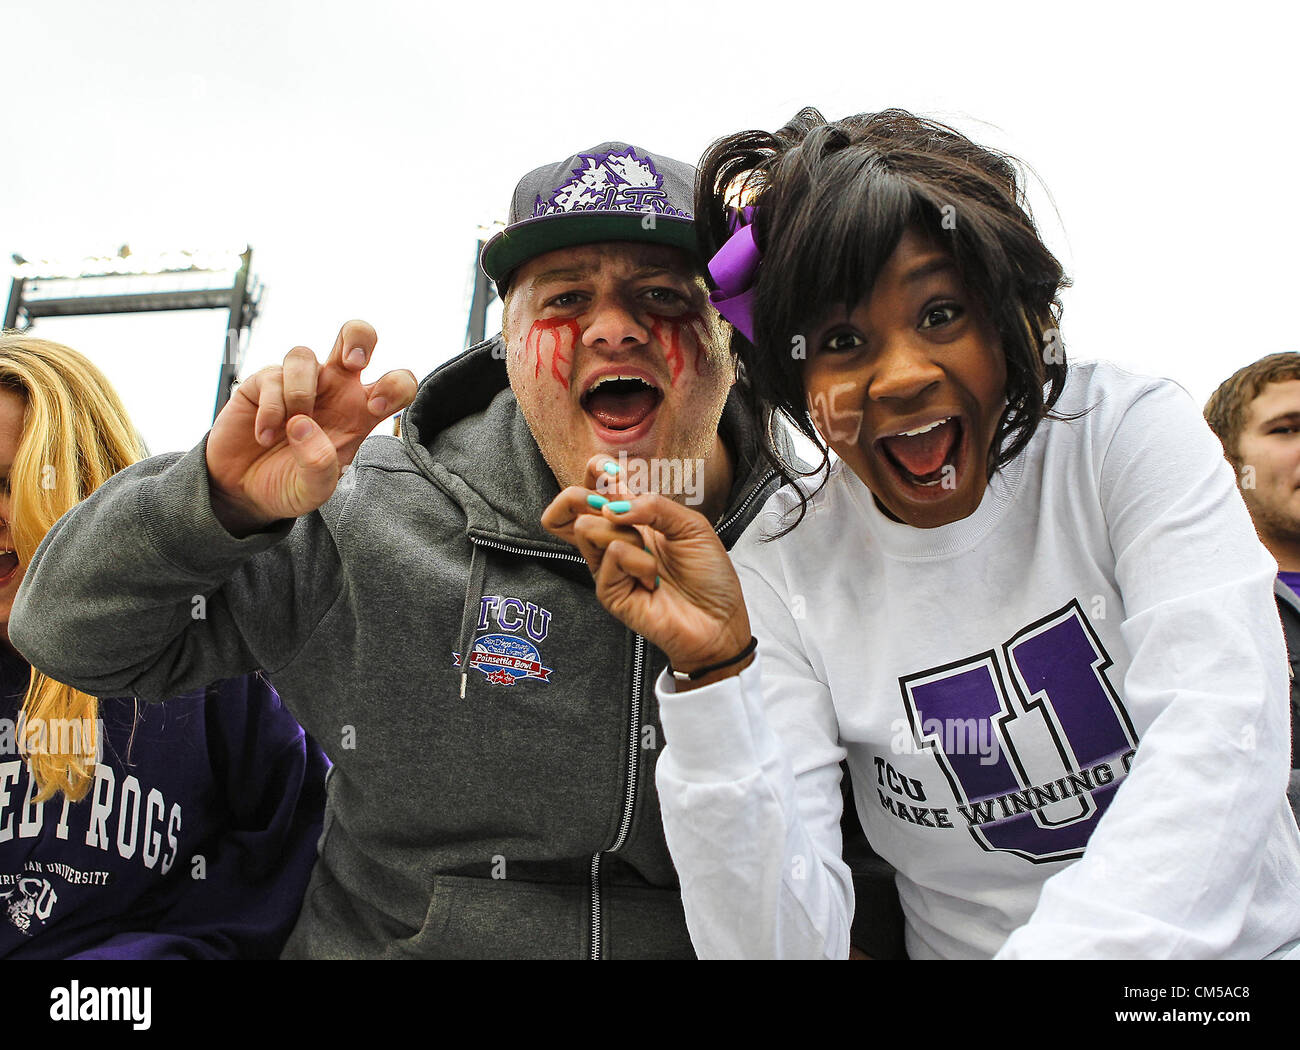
466 431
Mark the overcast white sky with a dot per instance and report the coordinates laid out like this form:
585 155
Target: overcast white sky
358 147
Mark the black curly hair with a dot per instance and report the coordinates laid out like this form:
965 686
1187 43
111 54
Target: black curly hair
833 200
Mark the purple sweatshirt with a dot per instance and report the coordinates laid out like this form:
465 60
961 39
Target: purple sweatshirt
195 841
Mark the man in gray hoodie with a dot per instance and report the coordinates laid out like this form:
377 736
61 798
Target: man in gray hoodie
493 731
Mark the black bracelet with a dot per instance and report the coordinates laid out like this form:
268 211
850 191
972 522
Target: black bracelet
690 676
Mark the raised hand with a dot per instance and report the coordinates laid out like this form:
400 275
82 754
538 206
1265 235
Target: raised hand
659 567
280 444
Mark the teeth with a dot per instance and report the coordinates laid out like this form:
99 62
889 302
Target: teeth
611 378
925 429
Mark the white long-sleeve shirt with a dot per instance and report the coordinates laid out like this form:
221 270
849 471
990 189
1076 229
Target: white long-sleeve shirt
1065 715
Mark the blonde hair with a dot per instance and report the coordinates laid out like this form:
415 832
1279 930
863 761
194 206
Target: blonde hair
76 435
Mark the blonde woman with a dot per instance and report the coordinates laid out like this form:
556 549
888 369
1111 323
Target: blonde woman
130 831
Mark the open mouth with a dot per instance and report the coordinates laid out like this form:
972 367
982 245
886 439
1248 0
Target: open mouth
8 566
621 402
928 455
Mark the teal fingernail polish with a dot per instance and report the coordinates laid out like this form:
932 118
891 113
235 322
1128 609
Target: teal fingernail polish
656 583
621 506
610 467
596 501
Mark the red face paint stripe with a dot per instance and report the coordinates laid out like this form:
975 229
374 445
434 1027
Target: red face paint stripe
672 352
669 332
556 326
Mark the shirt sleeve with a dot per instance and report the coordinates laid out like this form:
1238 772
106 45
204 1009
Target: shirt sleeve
749 789
139 590
1172 867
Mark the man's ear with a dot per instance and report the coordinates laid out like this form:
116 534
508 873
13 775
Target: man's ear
506 315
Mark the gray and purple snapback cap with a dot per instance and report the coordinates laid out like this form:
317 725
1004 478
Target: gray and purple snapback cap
611 192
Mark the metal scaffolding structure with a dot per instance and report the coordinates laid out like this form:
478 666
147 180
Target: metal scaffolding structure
208 281
484 293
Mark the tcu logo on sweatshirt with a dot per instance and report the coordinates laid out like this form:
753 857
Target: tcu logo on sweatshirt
507 658
28 902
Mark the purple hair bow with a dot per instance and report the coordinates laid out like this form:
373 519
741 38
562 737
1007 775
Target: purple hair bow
735 270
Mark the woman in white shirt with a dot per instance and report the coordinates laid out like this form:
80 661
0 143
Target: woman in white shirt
1026 602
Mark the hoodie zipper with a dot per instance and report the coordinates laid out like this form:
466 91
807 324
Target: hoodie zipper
527 550
753 495
629 797
633 750
634 718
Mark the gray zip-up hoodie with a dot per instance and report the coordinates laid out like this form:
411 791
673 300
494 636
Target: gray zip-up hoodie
494 731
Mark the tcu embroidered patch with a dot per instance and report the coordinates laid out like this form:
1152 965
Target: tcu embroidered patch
503 658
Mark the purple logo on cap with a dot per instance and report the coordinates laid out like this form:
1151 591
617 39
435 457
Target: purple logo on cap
610 182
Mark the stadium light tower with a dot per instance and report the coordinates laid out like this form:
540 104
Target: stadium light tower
127 283
484 293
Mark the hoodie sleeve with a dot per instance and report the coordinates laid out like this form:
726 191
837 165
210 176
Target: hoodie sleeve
139 590
269 780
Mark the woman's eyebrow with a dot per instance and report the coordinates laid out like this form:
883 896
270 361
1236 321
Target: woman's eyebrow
929 268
